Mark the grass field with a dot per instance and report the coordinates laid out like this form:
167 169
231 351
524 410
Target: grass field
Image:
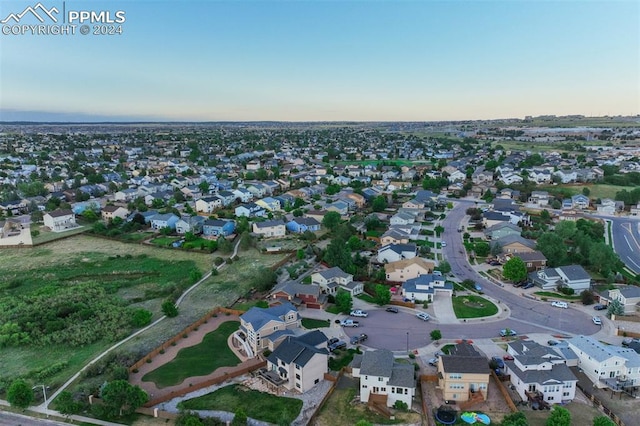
257 405
198 360
581 414
596 190
314 323
473 307
164 241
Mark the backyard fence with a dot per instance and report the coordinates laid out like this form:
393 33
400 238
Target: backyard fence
181 334
606 410
504 392
334 382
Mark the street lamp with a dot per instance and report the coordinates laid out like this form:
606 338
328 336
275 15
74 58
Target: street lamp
407 342
44 392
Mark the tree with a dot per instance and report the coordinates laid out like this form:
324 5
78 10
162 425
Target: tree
566 229
559 416
344 302
515 419
615 307
240 417
496 249
481 249
444 267
545 215
20 394
354 243
141 317
553 248
122 398
383 295
587 297
300 254
331 220
66 405
379 203
169 309
515 270
586 191
435 335
603 421
439 229
224 245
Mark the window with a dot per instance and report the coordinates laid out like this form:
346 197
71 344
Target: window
298 385
565 394
316 381
364 386
297 367
406 391
455 376
379 379
297 377
549 398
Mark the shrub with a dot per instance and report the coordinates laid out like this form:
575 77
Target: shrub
400 405
141 318
173 343
135 371
412 355
161 351
149 361
169 309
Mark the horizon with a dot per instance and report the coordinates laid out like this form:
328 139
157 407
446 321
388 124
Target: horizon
326 61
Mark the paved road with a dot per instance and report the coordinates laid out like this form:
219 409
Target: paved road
11 419
626 239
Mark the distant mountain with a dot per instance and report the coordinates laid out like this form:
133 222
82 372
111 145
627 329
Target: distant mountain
69 117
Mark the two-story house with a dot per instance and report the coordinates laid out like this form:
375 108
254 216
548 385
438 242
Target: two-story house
513 243
299 225
111 212
383 379
463 374
573 276
265 328
250 210
540 369
629 297
403 270
191 224
218 228
166 220
609 366
60 220
269 203
269 228
502 229
332 279
395 252
299 363
208 204
309 295
425 286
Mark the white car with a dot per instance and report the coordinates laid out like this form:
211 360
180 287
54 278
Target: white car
443 244
557 304
423 316
359 313
596 320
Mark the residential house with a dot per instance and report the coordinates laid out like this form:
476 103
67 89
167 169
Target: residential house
423 287
147 216
539 198
534 260
406 269
635 210
540 370
566 176
491 218
264 328
167 220
208 204
243 195
332 279
191 224
307 295
402 218
111 212
629 297
463 374
60 220
514 244
502 229
300 362
338 206
218 228
607 366
395 252
269 203
381 377
250 210
299 225
573 276
540 176
580 201
227 197
609 207
258 190
269 228
126 195
394 236
481 176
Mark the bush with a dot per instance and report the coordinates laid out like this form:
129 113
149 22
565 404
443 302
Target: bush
400 405
169 309
141 318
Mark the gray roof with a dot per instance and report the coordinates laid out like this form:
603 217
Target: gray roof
269 224
402 375
299 350
258 317
60 213
513 238
464 358
399 248
600 352
575 272
294 288
307 221
377 363
334 272
531 256
557 374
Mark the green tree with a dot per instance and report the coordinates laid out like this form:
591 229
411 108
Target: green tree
439 229
169 309
344 301
586 191
331 220
141 317
603 421
566 229
515 270
240 417
20 394
587 297
615 307
553 248
354 243
364 423
338 254
481 249
121 398
444 267
383 295
300 254
435 335
559 416
90 216
545 215
66 405
224 245
515 419
379 203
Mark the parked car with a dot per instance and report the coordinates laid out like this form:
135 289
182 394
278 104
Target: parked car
359 339
498 361
477 286
392 309
520 284
529 285
349 323
507 357
552 342
629 340
433 361
508 332
337 345
359 313
443 244
596 320
599 307
423 316
332 341
438 354
495 263
558 304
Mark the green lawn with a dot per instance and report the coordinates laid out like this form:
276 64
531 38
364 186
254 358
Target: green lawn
257 405
136 236
473 307
556 295
164 241
333 309
341 358
314 323
199 360
366 297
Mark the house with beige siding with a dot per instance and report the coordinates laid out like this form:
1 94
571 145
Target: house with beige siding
463 374
406 269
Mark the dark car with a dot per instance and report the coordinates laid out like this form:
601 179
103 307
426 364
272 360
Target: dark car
359 339
498 361
528 286
599 307
392 309
332 341
337 345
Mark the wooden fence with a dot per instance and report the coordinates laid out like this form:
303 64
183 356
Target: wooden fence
504 392
617 420
334 383
180 336
244 368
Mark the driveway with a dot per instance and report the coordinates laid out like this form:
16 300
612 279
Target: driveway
443 309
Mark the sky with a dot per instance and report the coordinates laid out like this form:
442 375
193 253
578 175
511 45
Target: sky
313 60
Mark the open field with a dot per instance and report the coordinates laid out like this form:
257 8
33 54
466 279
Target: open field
473 307
46 236
198 360
257 405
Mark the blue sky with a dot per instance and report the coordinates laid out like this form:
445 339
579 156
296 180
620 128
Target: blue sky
329 60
